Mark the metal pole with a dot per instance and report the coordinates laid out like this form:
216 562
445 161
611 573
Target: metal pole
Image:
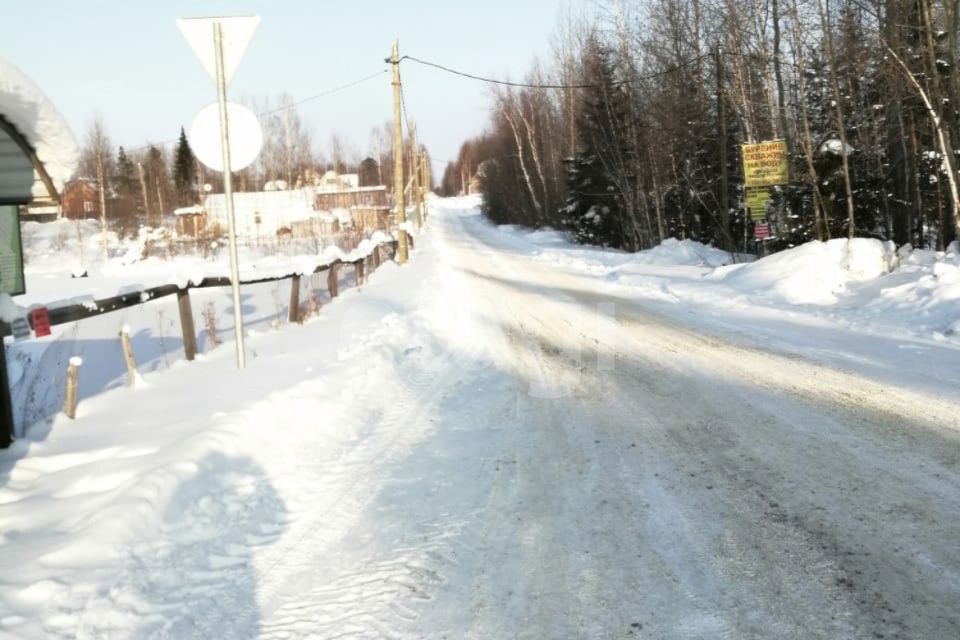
6 411
398 159
228 194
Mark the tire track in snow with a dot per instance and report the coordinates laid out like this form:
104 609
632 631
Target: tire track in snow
753 461
385 593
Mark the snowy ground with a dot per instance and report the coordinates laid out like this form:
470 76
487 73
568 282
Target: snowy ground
513 437
56 252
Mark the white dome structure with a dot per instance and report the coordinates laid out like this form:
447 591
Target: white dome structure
32 130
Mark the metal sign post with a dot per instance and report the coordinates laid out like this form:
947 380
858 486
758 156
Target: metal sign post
228 194
240 30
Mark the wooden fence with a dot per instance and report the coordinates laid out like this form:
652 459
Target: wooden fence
74 312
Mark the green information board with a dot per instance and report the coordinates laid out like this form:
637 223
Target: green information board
11 252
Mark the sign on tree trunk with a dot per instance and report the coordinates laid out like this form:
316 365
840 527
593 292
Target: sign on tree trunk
765 163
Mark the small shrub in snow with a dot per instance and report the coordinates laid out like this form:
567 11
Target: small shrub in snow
210 322
311 308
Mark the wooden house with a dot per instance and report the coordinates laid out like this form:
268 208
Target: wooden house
81 199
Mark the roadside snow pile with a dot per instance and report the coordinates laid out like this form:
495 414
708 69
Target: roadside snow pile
671 258
548 236
683 253
864 285
926 287
813 273
616 264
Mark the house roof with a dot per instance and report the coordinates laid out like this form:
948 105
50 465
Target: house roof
193 209
295 204
332 181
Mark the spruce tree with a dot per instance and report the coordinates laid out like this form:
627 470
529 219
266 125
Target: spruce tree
184 171
125 179
598 175
127 203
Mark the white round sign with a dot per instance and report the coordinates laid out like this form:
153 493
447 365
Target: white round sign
246 137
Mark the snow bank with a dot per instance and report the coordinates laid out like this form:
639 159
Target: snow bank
683 253
548 236
162 502
558 247
814 273
863 285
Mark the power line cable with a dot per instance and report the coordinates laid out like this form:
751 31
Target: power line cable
326 93
322 94
529 85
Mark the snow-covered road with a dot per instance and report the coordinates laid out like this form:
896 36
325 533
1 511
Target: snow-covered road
527 456
638 478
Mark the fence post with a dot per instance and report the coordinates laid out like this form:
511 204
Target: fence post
358 272
128 355
186 324
6 411
376 257
332 279
70 404
295 298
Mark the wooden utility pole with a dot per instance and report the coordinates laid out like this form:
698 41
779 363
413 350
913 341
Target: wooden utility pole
398 159
425 184
722 117
427 173
415 174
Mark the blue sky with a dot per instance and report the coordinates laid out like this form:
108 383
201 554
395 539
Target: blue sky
128 62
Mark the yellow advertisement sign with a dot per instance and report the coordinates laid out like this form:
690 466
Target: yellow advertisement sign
765 163
757 202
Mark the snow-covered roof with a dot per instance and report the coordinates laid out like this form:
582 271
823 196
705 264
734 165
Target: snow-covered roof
332 181
26 107
276 185
273 208
187 211
44 210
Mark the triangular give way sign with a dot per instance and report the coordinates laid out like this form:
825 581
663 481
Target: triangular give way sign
237 32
